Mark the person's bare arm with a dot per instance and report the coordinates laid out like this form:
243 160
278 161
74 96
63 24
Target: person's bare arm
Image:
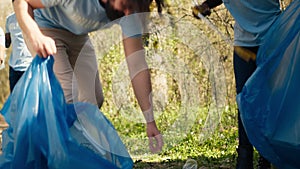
138 70
140 79
35 40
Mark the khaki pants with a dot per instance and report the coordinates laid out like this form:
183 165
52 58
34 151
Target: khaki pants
75 66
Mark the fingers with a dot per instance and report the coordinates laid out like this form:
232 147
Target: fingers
49 47
156 143
202 9
45 47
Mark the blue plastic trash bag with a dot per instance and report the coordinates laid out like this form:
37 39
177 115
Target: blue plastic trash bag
270 100
47 133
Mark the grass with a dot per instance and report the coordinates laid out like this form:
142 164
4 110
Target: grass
216 149
181 112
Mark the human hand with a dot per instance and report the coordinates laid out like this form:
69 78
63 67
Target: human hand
41 45
154 137
202 9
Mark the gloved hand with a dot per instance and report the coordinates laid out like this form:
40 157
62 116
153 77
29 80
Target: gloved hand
202 9
160 4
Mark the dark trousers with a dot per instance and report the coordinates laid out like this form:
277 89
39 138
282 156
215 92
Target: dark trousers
242 71
14 77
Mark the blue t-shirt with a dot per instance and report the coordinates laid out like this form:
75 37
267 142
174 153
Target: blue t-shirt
254 18
77 16
244 38
81 17
20 57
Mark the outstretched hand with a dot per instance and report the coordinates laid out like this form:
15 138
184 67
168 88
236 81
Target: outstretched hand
154 137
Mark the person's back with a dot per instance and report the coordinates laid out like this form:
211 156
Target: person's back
253 16
75 16
60 29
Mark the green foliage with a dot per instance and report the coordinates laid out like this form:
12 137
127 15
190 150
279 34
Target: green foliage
215 152
217 149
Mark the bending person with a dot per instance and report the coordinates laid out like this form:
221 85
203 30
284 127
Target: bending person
248 36
60 28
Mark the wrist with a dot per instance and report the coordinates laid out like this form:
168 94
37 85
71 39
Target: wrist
151 123
149 116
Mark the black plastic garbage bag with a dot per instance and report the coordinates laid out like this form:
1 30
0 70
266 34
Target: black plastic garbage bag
270 100
47 133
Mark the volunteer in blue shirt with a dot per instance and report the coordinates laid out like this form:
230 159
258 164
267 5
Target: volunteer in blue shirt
253 19
20 57
60 28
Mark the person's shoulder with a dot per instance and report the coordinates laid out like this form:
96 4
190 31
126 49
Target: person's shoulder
10 17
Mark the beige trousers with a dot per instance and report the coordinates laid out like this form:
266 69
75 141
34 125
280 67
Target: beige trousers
75 66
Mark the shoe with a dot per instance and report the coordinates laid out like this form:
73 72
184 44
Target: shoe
245 158
263 163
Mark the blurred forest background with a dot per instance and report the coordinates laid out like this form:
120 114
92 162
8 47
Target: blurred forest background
193 86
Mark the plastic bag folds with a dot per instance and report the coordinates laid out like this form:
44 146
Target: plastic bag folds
269 101
47 133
